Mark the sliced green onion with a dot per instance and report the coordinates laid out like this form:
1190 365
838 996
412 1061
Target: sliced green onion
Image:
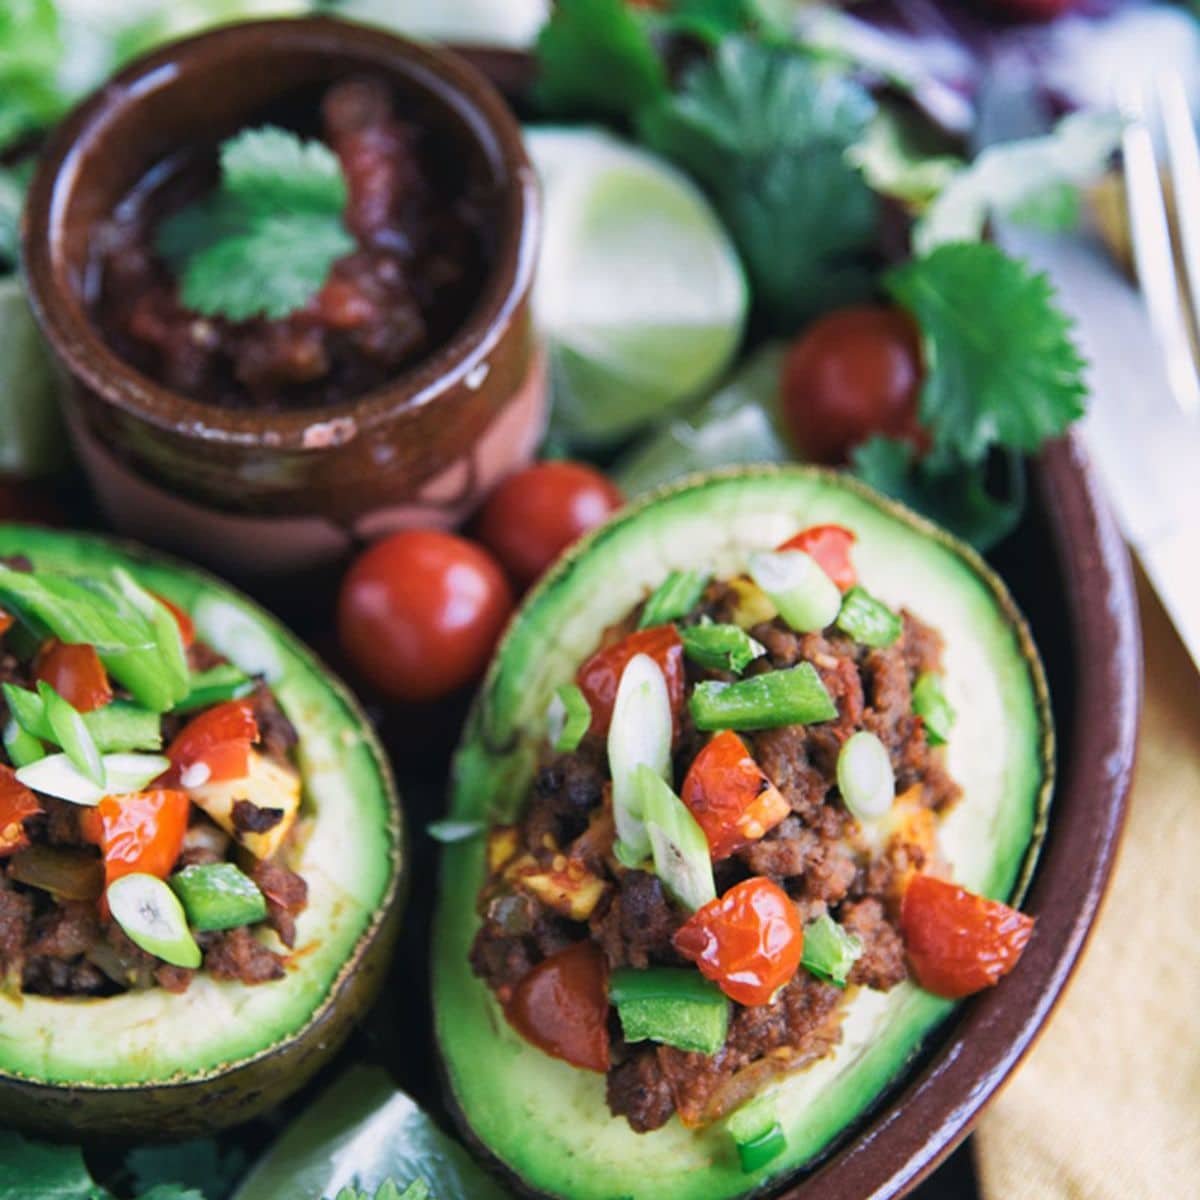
450 831
930 704
167 634
218 896
682 860
70 732
807 599
675 597
22 747
720 647
27 710
569 718
57 775
153 918
640 734
119 725
756 1133
670 1005
215 686
792 697
865 776
829 951
868 620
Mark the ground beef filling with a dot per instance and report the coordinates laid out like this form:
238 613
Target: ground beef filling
816 854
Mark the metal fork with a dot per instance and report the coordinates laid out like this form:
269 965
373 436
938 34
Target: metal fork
1160 260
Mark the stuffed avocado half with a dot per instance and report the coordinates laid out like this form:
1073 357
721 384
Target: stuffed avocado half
178 1045
923 599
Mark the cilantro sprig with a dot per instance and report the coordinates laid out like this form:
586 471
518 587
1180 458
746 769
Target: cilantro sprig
262 243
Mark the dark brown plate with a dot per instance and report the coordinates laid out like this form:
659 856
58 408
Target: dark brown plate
1070 571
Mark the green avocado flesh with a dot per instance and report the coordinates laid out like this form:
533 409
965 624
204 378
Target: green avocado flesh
348 851
547 1122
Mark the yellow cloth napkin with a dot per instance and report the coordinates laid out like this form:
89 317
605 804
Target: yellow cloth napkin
1107 1106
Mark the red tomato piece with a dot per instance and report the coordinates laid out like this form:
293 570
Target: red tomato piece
534 515
421 611
139 832
75 672
561 1006
853 374
730 797
830 545
599 676
219 739
7 621
187 627
748 942
17 803
957 942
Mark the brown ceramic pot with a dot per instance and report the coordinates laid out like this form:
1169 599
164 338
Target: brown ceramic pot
260 493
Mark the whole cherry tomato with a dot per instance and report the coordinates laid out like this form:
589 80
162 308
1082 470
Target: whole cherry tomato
17 803
561 1006
730 797
748 942
534 515
421 611
957 942
213 746
830 545
599 676
187 627
75 672
139 832
853 374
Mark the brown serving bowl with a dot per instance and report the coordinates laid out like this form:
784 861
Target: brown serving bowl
262 492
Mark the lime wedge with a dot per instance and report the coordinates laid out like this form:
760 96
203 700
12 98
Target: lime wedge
640 293
33 441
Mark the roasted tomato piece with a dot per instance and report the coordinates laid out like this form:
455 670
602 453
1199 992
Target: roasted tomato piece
830 545
213 746
748 941
187 627
75 672
17 803
957 942
599 676
7 621
730 797
138 832
561 1006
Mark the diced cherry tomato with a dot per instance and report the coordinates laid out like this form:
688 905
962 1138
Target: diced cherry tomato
219 739
534 515
748 942
730 797
599 676
187 627
830 545
957 942
75 672
138 832
561 1006
7 621
850 375
17 803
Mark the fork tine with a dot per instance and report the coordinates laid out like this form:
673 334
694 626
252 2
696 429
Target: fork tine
1183 161
1151 235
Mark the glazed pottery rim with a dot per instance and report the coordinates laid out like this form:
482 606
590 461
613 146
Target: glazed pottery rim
445 78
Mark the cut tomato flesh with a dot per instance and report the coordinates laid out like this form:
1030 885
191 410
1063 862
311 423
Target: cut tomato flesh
599 676
213 746
7 621
17 803
139 832
830 545
187 627
75 672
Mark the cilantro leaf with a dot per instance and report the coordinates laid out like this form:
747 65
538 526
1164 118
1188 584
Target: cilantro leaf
29 1169
30 49
596 57
765 129
709 20
171 1191
271 170
389 1190
203 1165
1001 365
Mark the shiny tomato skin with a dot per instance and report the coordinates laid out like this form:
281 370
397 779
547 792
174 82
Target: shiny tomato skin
75 672
853 374
957 942
7 621
187 627
17 803
730 797
830 545
600 675
534 515
138 832
218 738
749 941
561 1006
421 611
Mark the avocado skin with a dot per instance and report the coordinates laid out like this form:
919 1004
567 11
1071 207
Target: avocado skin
226 1094
494 758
